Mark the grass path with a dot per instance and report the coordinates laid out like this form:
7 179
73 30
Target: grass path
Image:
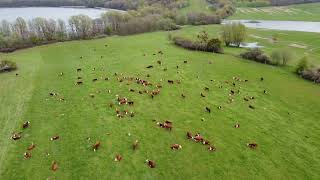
284 123
15 95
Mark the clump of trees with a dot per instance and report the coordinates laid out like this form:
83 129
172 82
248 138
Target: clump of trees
223 8
306 71
312 74
7 66
257 55
281 56
203 43
233 34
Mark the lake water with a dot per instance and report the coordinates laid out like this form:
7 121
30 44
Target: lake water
64 13
281 25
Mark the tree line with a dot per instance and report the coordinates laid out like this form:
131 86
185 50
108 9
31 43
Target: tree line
22 33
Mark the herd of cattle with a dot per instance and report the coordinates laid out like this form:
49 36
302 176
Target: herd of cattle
154 89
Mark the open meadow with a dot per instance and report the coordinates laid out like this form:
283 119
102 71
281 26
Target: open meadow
283 122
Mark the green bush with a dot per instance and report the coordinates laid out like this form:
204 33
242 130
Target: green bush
214 45
302 65
257 55
7 66
281 56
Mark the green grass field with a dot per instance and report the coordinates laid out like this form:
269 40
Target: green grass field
197 6
301 12
301 43
284 122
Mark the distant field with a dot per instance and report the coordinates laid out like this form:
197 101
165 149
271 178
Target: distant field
284 122
301 12
301 43
197 6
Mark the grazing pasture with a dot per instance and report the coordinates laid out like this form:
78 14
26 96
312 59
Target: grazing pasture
299 12
196 115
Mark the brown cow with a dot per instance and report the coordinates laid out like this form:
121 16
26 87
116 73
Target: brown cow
198 138
32 146
25 124
118 158
54 166
151 163
189 135
96 146
176 146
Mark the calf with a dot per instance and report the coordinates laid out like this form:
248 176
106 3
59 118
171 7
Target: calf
252 145
205 142
170 81
25 124
151 163
96 146
189 135
148 67
183 96
135 145
211 148
54 138
165 125
206 88
251 107
79 69
202 95
159 62
32 146
130 103
16 136
185 62
27 155
94 80
176 146
208 110
79 83
237 125
118 158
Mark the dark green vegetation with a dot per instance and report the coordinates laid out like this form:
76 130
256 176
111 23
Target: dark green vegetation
283 123
6 66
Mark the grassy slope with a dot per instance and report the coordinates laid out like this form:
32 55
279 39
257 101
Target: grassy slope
285 40
301 12
288 143
197 6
